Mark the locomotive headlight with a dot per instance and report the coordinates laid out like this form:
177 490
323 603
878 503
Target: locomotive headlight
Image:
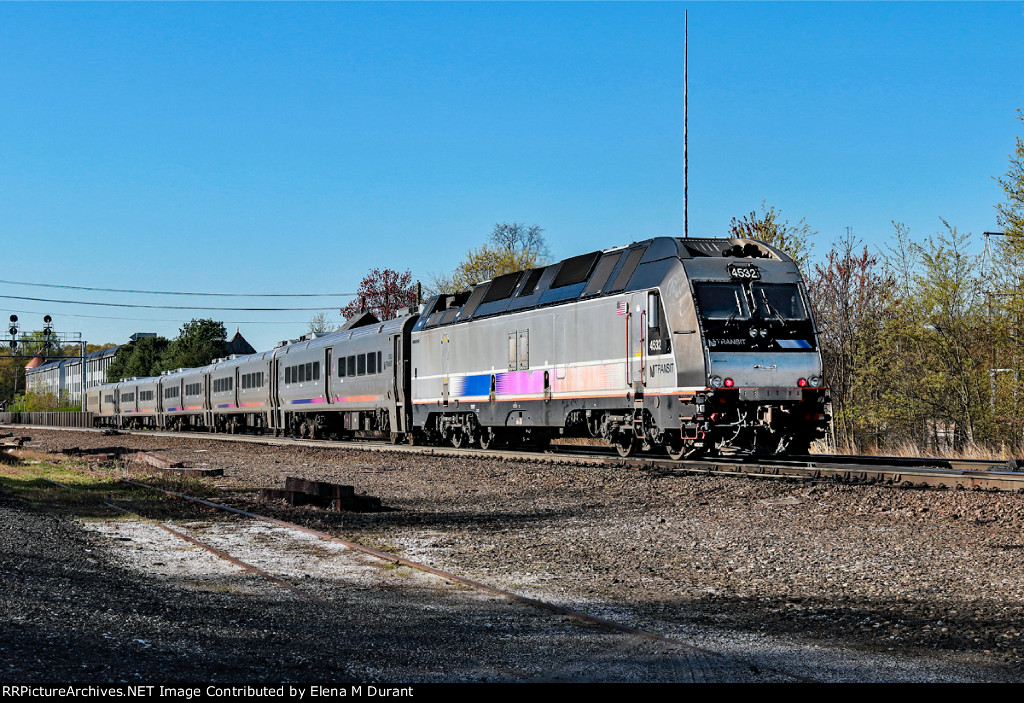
815 381
716 381
753 332
764 333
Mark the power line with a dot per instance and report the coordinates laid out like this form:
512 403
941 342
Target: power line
160 307
158 319
167 292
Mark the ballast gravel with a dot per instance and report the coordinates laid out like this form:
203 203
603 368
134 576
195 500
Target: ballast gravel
818 580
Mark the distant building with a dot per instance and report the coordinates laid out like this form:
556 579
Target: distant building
238 345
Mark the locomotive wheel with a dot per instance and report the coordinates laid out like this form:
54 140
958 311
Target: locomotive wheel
676 448
459 439
395 438
626 445
489 439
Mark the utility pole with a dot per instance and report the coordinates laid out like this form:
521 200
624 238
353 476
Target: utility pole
686 162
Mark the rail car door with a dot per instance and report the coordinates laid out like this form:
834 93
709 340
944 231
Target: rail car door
273 397
397 380
328 375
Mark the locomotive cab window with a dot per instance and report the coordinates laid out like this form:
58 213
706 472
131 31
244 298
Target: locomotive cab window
722 301
779 300
653 320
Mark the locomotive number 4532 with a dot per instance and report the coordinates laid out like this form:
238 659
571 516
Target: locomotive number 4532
748 272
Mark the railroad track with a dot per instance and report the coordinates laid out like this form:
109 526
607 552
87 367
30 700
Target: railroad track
722 661
908 472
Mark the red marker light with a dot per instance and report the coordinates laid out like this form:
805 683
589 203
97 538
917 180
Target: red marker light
802 383
728 383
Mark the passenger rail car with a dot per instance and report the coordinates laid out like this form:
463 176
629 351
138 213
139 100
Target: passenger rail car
685 346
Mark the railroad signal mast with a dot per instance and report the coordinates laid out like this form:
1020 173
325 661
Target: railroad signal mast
29 346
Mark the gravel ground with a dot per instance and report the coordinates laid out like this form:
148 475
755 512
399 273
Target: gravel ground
827 581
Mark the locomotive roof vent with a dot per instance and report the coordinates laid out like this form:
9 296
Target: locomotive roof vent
746 251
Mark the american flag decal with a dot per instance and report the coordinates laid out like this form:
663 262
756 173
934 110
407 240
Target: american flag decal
623 308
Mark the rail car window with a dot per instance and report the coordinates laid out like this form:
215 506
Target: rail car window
361 364
145 395
601 273
192 389
722 301
575 270
351 366
371 364
341 368
253 380
531 282
501 287
779 300
627 270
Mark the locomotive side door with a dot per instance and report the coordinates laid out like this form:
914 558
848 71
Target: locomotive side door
444 370
636 322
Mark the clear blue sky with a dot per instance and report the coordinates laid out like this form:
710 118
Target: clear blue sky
240 147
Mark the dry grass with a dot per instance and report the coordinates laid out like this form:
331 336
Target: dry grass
1003 452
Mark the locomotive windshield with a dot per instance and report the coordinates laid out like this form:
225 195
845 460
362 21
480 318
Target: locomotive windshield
722 301
779 300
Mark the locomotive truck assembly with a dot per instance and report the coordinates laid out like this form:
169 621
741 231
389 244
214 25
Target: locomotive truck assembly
687 346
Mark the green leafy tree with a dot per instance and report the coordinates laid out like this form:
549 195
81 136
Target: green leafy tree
198 343
770 228
12 376
1004 289
510 247
1010 213
942 339
143 358
854 301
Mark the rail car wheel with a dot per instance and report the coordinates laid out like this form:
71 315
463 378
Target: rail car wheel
459 439
626 445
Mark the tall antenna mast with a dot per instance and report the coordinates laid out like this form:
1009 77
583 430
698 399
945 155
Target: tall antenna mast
686 163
